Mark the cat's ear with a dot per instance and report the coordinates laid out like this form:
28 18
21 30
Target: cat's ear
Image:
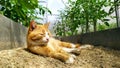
32 25
47 25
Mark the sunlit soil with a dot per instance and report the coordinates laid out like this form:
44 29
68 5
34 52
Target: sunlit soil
98 57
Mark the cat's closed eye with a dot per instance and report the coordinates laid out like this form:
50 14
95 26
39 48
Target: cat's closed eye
48 33
41 34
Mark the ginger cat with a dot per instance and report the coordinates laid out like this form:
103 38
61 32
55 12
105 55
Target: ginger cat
40 41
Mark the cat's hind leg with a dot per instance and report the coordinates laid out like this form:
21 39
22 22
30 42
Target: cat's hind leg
77 50
69 45
67 58
72 50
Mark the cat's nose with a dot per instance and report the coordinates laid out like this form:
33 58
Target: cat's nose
47 39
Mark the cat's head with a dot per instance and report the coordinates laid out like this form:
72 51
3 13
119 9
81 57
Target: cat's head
38 34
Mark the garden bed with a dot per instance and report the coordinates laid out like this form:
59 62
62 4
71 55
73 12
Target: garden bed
98 57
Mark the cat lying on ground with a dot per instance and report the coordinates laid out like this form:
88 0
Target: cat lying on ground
40 41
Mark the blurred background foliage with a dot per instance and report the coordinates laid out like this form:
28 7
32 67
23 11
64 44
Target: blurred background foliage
82 16
22 11
79 16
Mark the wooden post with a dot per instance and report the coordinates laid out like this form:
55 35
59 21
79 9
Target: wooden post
117 13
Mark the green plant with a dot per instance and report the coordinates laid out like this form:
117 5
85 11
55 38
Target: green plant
104 27
22 10
82 14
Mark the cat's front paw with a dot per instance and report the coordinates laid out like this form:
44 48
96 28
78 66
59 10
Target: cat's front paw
71 59
76 51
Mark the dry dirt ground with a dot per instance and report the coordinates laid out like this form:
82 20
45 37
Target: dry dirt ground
98 57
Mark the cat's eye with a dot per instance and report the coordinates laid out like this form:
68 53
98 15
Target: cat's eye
41 34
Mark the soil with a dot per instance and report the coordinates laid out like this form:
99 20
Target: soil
98 57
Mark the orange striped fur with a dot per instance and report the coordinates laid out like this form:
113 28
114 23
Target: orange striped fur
40 41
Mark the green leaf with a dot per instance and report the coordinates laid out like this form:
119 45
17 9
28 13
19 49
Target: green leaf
106 19
22 10
106 23
111 10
